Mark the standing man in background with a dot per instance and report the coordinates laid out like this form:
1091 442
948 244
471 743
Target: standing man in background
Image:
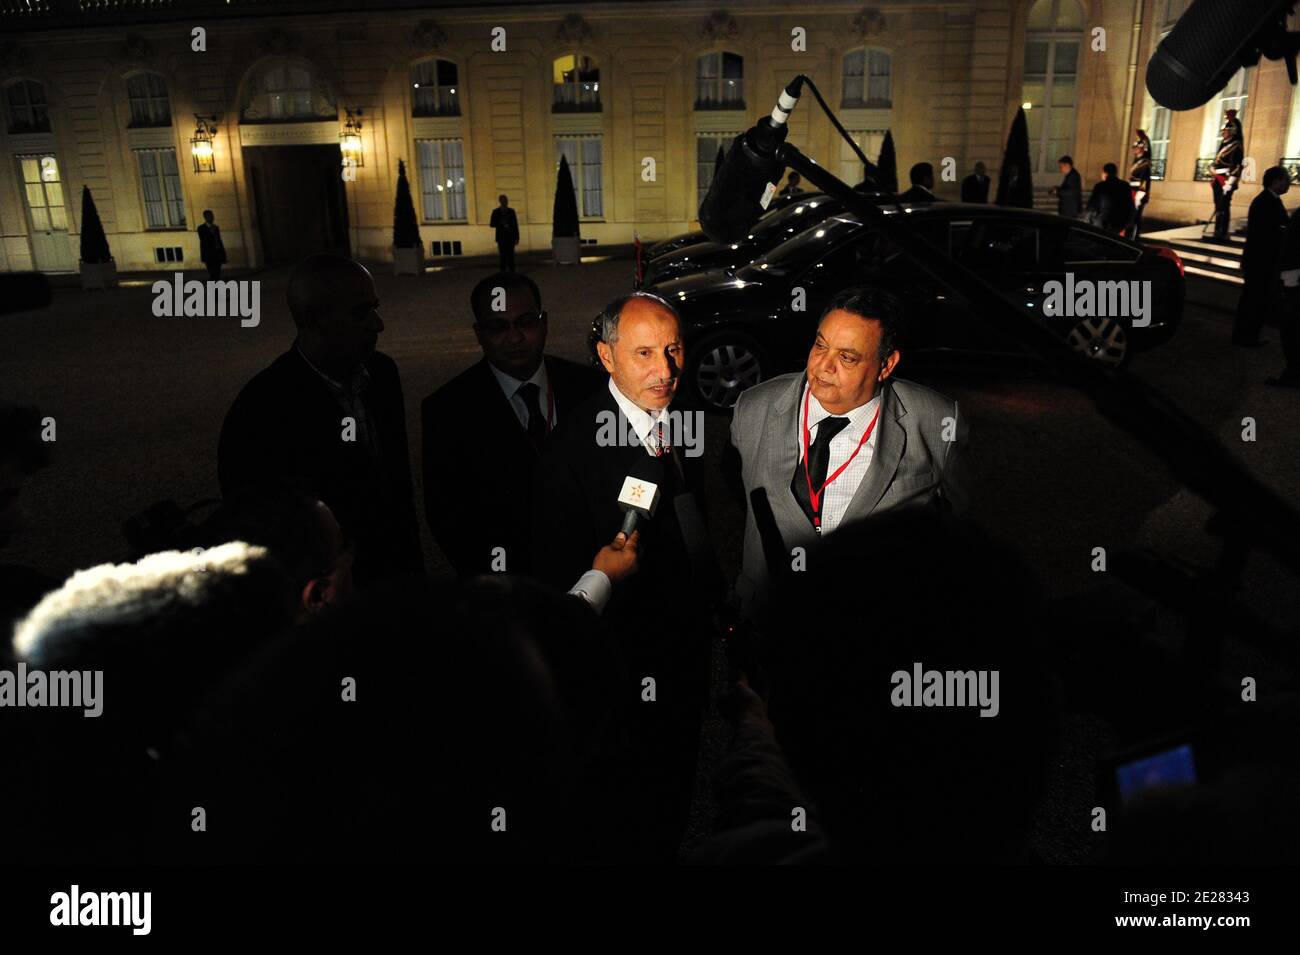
1265 232
1139 179
1227 174
506 224
975 187
212 251
1069 194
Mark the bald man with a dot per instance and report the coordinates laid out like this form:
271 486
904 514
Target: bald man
328 418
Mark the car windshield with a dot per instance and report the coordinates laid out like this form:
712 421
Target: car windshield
801 250
791 220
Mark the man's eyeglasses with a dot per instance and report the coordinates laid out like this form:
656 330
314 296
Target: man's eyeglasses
527 322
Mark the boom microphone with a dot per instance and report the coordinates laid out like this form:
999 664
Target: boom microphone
1213 40
745 184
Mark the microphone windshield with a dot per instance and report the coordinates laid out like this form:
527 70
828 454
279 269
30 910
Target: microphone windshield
734 200
1205 49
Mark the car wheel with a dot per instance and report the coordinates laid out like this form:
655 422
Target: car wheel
722 366
1103 339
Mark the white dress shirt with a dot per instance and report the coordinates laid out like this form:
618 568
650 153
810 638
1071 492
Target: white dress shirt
642 421
510 385
837 495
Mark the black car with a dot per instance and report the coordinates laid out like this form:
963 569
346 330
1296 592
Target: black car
768 232
670 245
745 325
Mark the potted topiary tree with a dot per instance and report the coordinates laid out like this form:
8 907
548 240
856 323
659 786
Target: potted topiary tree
887 163
1015 184
566 239
98 270
408 250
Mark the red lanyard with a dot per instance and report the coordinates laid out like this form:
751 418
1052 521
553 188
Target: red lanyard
815 497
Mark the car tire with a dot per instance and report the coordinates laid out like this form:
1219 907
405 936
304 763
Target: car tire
721 366
1101 339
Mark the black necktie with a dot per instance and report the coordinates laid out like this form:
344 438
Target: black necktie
536 427
819 458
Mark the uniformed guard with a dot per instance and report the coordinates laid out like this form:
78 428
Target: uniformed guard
1226 174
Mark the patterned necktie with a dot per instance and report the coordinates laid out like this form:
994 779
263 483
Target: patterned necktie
536 426
819 459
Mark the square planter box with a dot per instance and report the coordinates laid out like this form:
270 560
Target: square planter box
408 261
566 249
99 274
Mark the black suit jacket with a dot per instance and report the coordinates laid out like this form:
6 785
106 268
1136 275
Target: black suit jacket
506 224
1069 195
975 189
211 248
1265 232
576 512
286 425
479 464
917 194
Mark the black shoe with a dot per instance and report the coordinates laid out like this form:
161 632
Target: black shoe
1284 380
1257 343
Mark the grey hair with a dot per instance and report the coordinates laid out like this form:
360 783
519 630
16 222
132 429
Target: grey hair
607 320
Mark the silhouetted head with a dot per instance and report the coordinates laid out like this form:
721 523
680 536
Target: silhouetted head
300 532
1278 179
509 322
856 348
1110 170
922 174
503 200
641 348
207 216
336 309
981 169
1066 163
794 180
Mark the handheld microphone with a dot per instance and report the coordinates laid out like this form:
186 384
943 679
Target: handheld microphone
639 498
745 184
1213 40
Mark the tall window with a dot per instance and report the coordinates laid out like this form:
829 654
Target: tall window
160 184
720 81
44 190
869 141
576 81
27 109
1158 129
435 88
1054 32
147 93
442 179
867 80
706 159
584 156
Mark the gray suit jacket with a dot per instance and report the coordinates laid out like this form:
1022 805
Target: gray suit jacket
917 461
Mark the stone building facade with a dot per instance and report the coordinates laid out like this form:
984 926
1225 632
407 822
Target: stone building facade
482 99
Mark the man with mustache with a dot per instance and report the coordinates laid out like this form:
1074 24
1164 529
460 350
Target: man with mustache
658 619
842 439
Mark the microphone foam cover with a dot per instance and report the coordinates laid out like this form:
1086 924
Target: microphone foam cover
732 204
1204 50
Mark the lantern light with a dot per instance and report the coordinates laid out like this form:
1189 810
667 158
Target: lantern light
350 140
201 148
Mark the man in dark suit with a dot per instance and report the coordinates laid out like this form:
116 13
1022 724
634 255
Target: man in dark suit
1110 206
328 417
484 429
506 224
1265 231
975 187
922 176
212 251
1069 194
660 616
1289 317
